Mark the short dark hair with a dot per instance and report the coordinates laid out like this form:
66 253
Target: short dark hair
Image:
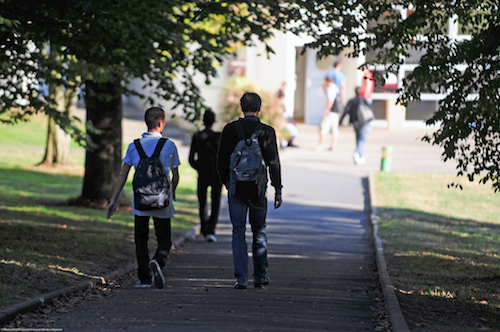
336 63
358 90
250 102
153 116
208 117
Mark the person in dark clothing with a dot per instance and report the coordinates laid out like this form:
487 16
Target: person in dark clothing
203 158
361 130
239 204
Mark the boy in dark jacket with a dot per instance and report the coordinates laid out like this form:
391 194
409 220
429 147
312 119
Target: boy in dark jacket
361 130
241 203
203 158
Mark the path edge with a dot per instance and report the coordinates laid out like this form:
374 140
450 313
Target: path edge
9 313
395 314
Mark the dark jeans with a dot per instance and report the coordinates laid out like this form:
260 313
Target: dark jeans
209 222
163 231
257 212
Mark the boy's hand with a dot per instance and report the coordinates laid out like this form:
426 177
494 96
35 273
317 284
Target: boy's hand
277 201
111 210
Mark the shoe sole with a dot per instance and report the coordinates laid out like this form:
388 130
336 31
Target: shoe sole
143 286
259 285
240 286
158 278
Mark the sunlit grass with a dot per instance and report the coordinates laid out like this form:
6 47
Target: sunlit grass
441 243
45 244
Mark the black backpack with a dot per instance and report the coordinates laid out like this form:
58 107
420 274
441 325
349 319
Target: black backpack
247 169
364 113
151 184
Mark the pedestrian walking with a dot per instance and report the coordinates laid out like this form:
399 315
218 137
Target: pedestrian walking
290 125
367 85
339 79
148 145
330 120
203 158
361 127
240 143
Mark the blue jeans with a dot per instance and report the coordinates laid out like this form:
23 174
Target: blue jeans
257 211
361 134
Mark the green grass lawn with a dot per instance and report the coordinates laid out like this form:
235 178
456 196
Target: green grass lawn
45 244
442 248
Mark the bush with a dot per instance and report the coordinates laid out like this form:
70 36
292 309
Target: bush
271 112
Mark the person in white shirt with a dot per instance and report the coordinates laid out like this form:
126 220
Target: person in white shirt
155 121
330 122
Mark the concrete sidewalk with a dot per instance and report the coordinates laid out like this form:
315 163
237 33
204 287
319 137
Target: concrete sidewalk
321 257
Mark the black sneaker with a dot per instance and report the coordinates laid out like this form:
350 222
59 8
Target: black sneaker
240 286
260 284
158 278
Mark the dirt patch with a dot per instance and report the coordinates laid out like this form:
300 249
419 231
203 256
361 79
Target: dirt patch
437 314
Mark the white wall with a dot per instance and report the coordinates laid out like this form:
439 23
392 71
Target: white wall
269 73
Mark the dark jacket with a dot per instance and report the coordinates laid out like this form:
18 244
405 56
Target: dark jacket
267 141
203 153
352 109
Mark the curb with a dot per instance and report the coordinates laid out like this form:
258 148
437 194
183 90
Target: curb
11 312
395 314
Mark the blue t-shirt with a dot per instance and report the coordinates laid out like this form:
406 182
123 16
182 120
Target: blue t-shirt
169 158
337 76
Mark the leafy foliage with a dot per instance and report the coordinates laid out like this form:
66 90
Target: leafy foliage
115 41
271 111
167 42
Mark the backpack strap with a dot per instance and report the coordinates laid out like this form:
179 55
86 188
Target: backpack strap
241 133
239 129
157 151
159 146
256 131
139 148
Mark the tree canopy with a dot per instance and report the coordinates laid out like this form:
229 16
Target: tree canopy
167 42
102 41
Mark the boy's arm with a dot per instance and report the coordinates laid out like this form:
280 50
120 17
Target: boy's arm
175 180
120 183
223 158
192 152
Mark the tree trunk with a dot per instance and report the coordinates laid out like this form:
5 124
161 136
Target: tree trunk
104 153
58 141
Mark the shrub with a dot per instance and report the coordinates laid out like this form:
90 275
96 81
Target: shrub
271 112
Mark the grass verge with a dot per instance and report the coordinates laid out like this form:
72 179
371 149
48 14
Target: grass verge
442 248
46 245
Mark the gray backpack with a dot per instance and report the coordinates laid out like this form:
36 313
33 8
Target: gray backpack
151 184
247 169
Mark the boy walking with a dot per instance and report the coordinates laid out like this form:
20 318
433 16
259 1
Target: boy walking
155 121
203 158
244 197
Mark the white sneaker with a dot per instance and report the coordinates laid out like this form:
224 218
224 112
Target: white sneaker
143 285
358 159
211 238
158 278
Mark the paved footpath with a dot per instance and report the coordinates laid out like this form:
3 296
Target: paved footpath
321 260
